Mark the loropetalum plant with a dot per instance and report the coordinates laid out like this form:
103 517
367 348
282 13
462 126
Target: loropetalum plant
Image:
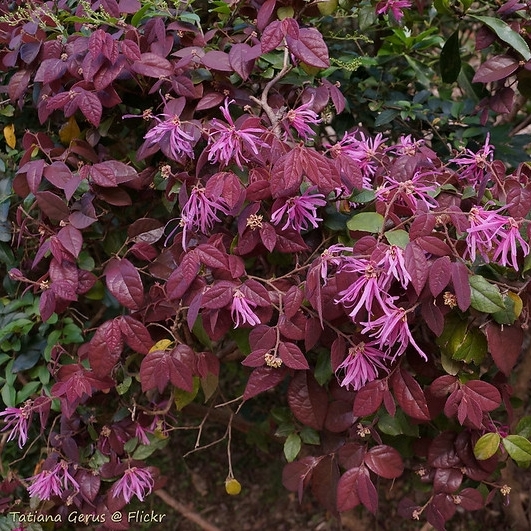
189 190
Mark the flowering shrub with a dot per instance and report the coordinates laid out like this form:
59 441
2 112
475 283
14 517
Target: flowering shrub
313 196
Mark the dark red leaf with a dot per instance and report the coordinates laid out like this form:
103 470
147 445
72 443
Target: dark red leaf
263 379
287 172
409 395
265 13
495 68
422 225
440 275
272 36
181 278
111 173
385 461
152 65
71 239
444 385
461 285
89 484
131 50
307 400
433 245
218 295
325 478
124 282
47 304
18 84
347 490
292 356
52 205
518 199
433 316
369 398
320 170
242 58
105 348
309 47
268 235
217 60
471 499
135 334
417 266
442 453
367 492
290 241
159 368
485 394
90 105
262 337
339 416
505 345
447 480
297 475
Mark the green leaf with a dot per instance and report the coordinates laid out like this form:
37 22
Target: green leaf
363 196
523 427
519 448
450 59
323 368
473 348
310 436
366 222
397 425
385 117
397 237
487 446
292 447
506 34
485 297
509 314
183 398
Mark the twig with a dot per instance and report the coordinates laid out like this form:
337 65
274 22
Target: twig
185 511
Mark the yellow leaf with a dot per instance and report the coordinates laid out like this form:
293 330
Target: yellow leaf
518 304
9 135
163 344
69 131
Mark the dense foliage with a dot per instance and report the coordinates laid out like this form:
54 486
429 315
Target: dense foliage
318 205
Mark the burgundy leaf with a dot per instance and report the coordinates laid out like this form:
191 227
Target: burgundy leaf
292 356
290 241
111 173
159 368
105 348
218 295
444 385
367 492
34 171
518 199
433 245
307 400
505 345
471 499
18 84
47 304
484 393
495 68
422 225
292 301
152 65
417 266
52 205
272 36
262 379
90 105
124 282
286 176
339 416
385 461
131 50
461 285
347 490
320 170
409 395
181 278
310 48
442 453
440 275
71 239
296 475
433 316
50 69
447 480
242 58
369 398
217 60
211 256
325 479
135 334
502 101
263 337
89 484
268 236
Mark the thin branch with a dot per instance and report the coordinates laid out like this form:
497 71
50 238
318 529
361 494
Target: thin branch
186 511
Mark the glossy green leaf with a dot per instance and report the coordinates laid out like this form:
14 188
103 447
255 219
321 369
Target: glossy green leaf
485 297
292 447
473 348
506 34
450 59
523 427
519 448
366 222
487 446
397 237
